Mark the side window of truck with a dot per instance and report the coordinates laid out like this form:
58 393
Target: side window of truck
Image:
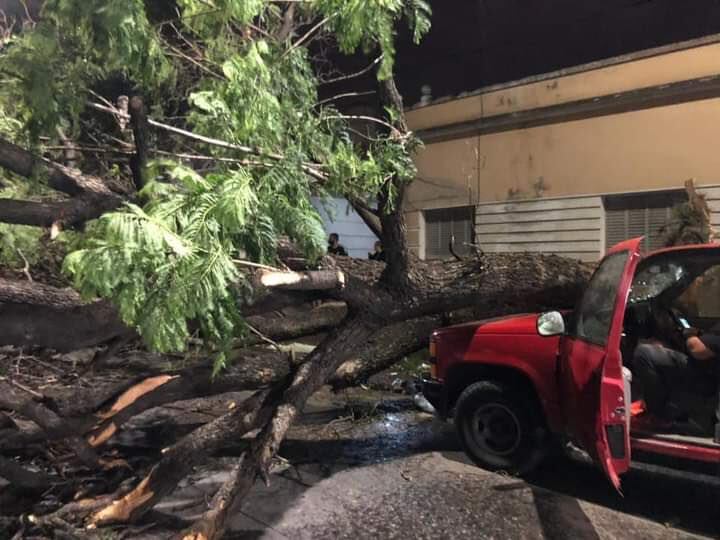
594 315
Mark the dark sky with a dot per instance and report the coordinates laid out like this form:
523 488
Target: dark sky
476 43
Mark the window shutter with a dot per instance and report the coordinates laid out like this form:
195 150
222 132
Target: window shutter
657 218
433 235
615 227
630 216
442 224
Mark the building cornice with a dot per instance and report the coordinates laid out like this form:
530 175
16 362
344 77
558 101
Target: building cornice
617 103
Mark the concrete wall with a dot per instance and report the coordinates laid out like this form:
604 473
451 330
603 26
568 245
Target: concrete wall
572 227
339 217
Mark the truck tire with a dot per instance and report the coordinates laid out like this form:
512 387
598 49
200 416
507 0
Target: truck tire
500 428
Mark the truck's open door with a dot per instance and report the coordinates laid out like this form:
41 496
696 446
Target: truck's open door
591 375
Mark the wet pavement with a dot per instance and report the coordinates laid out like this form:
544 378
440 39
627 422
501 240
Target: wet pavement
357 467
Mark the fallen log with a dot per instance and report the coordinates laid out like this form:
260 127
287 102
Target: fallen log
360 347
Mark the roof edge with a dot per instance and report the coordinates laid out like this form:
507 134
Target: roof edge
573 70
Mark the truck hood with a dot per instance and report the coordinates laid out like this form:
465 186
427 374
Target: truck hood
512 324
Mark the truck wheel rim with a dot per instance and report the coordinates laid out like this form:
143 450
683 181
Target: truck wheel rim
496 429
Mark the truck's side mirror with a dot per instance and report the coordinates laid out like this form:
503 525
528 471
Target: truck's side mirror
550 324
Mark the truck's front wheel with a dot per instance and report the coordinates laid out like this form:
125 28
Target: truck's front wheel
499 428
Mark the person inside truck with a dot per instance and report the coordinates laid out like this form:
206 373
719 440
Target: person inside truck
681 358
659 369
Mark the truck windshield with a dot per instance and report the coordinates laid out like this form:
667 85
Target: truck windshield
655 279
594 315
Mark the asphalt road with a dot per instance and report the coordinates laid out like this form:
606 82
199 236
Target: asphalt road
400 474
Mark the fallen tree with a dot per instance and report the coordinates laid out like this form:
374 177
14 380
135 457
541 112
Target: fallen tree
194 259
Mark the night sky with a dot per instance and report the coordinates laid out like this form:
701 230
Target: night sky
475 43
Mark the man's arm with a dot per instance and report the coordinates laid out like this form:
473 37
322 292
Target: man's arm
698 349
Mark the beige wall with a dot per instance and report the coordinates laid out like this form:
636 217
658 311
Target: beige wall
447 175
650 149
694 63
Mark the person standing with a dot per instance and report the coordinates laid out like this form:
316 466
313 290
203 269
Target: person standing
335 247
378 253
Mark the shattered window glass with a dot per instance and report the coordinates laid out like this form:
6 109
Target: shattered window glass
653 280
595 313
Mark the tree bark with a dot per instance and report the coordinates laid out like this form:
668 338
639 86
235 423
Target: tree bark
58 177
51 424
138 120
32 314
396 275
22 478
67 212
311 375
98 418
371 220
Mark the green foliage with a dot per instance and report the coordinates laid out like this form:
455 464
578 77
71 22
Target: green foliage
419 13
171 264
17 241
76 45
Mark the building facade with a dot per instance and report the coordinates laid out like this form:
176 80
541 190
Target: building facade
569 162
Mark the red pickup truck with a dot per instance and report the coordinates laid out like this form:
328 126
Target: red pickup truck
514 385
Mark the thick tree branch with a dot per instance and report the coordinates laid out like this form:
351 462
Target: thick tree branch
179 459
66 213
60 178
368 215
249 370
318 280
138 120
396 275
288 23
22 478
31 313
